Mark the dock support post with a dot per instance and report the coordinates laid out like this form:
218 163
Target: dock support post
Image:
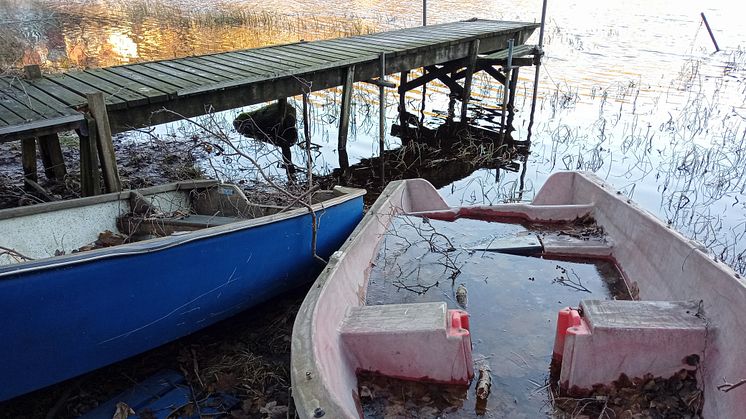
511 99
97 108
382 115
28 159
51 156
404 125
537 64
344 118
473 51
90 183
32 72
506 97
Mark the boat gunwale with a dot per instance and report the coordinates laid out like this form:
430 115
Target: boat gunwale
10 213
162 243
310 387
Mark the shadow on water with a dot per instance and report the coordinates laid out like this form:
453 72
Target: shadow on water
441 152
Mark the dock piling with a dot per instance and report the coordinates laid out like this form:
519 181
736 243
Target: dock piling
404 131
51 156
28 159
473 51
108 161
382 115
506 88
344 118
90 183
709 30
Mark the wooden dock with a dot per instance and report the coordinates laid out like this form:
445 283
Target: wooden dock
99 102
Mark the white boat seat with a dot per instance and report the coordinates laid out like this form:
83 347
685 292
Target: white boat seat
163 226
602 340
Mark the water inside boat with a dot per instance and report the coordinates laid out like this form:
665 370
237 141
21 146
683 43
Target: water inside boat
65 227
512 295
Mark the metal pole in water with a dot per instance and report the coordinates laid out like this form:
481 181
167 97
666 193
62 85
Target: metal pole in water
538 67
424 12
382 116
508 68
707 25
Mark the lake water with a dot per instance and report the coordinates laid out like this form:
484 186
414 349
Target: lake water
512 301
630 90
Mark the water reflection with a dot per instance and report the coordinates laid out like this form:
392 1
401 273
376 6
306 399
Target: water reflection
630 90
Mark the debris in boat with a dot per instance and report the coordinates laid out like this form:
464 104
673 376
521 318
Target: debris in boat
140 205
394 398
573 281
123 411
648 397
105 239
484 383
272 411
14 254
461 295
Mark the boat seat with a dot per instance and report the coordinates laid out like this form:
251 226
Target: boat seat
156 226
603 339
389 340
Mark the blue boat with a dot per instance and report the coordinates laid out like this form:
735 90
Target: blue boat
74 299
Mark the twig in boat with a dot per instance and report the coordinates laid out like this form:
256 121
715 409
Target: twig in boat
484 383
13 253
565 280
726 386
40 190
221 136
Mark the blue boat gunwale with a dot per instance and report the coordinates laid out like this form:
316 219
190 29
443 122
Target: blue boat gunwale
155 244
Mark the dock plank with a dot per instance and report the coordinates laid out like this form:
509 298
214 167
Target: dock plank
326 53
62 94
155 83
162 76
223 67
6 112
260 62
111 91
200 72
237 78
285 58
153 95
39 101
180 73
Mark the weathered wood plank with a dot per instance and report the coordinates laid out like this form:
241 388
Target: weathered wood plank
473 52
46 104
117 96
39 127
323 53
6 112
27 107
182 74
28 159
289 58
344 118
51 156
246 65
153 95
258 64
160 75
227 68
362 49
107 157
62 94
66 81
90 182
193 69
145 80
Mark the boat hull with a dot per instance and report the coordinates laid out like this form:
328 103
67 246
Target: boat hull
62 319
658 263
